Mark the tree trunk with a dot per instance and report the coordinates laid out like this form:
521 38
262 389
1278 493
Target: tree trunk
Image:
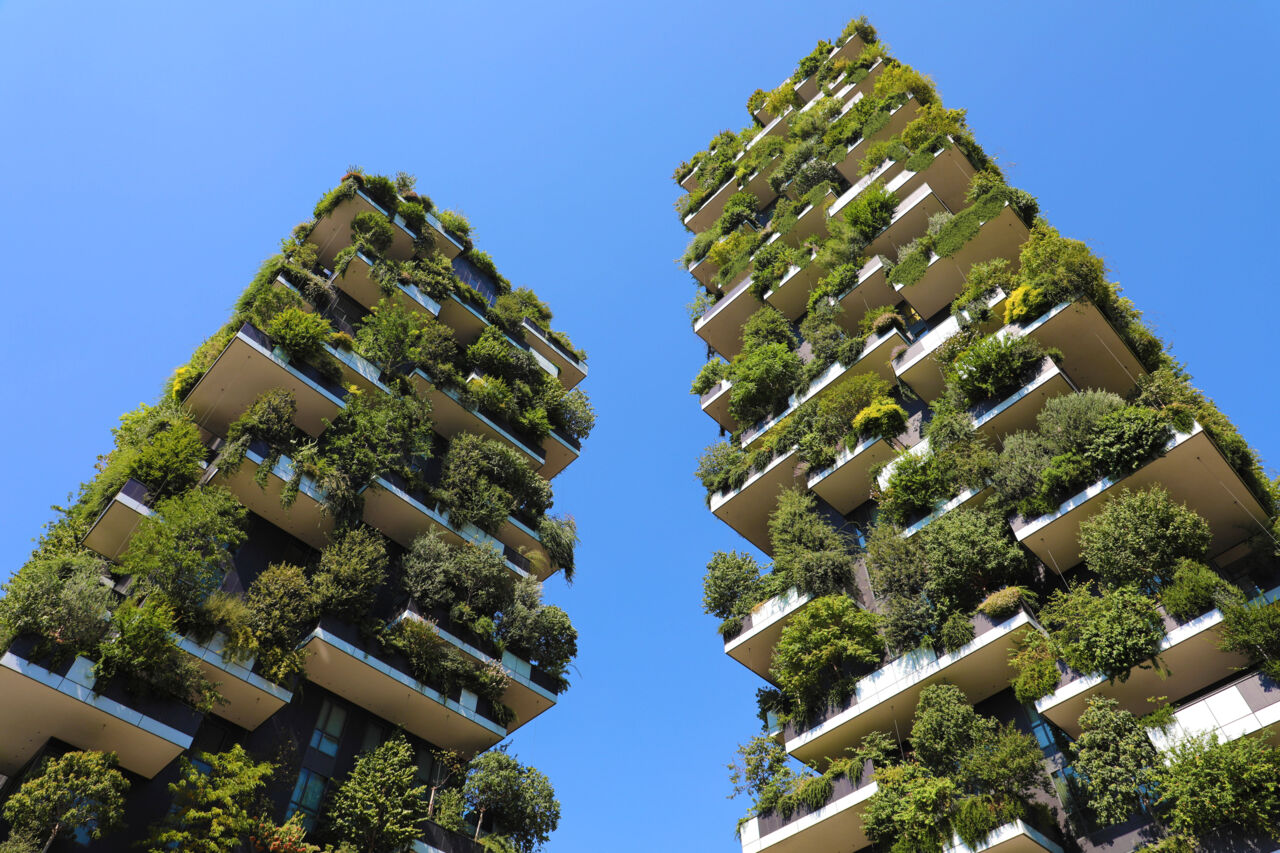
479 819
57 827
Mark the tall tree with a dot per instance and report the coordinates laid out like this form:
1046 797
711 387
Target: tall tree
520 799
79 790
380 806
212 807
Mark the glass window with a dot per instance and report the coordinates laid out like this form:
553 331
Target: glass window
374 734
306 798
329 728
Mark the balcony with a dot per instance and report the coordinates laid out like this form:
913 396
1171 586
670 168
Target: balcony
846 485
305 518
570 369
971 498
721 325
114 526
343 662
358 283
910 220
451 417
899 118
874 358
716 404
747 509
1246 707
948 175
753 645
1015 837
1094 354
1190 654
835 827
332 233
529 690
403 514
887 697
944 278
61 702
250 698
1192 470
997 418
916 364
250 365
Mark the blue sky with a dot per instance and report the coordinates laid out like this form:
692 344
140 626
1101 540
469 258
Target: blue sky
158 152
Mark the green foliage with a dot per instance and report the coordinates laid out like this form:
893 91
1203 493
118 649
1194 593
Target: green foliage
1115 761
1005 602
1109 633
440 665
1139 538
994 367
709 376
762 773
722 467
519 798
910 809
76 791
560 537
456 224
1036 668
379 806
268 419
472 578
399 340
1253 629
731 586
820 652
211 811
956 632
946 728
485 481
763 377
807 550
143 656
300 333
1208 785
542 634
1127 439
1195 589
184 549
280 605
882 418
59 599
870 213
352 568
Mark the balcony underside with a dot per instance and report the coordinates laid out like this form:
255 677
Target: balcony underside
835 828
305 518
721 326
39 705
1094 355
250 698
570 370
1192 471
847 484
753 648
242 372
715 403
944 278
113 529
747 510
981 669
899 119
910 220
341 668
450 418
1016 837
332 233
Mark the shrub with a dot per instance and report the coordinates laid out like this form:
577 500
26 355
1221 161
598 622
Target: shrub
1068 422
1207 785
1035 666
471 578
910 808
380 805
871 212
969 552
762 773
542 633
739 208
560 539
1252 629
280 606
956 632
1109 633
1195 589
763 379
723 466
352 568
269 419
59 599
709 376
731 585
882 418
145 658
1126 439
820 649
399 340
1139 537
485 481
994 367
301 334
946 728
807 549
518 797
456 224
1054 269
1004 603
1115 761
372 230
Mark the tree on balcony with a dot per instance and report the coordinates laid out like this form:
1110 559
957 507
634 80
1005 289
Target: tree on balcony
76 791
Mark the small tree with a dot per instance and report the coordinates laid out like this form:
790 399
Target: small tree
730 584
761 772
1139 537
80 790
1209 785
352 568
819 650
379 806
61 600
808 550
184 549
520 799
212 809
946 728
1115 760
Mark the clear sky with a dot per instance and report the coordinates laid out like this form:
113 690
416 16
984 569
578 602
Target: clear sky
157 152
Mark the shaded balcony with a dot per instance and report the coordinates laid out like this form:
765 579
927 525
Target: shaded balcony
340 660
249 365
451 417
846 484
1016 837
564 363
1190 653
887 697
835 827
716 404
250 698
43 701
1192 470
753 645
747 509
305 518
332 233
114 526
997 418
917 366
721 325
